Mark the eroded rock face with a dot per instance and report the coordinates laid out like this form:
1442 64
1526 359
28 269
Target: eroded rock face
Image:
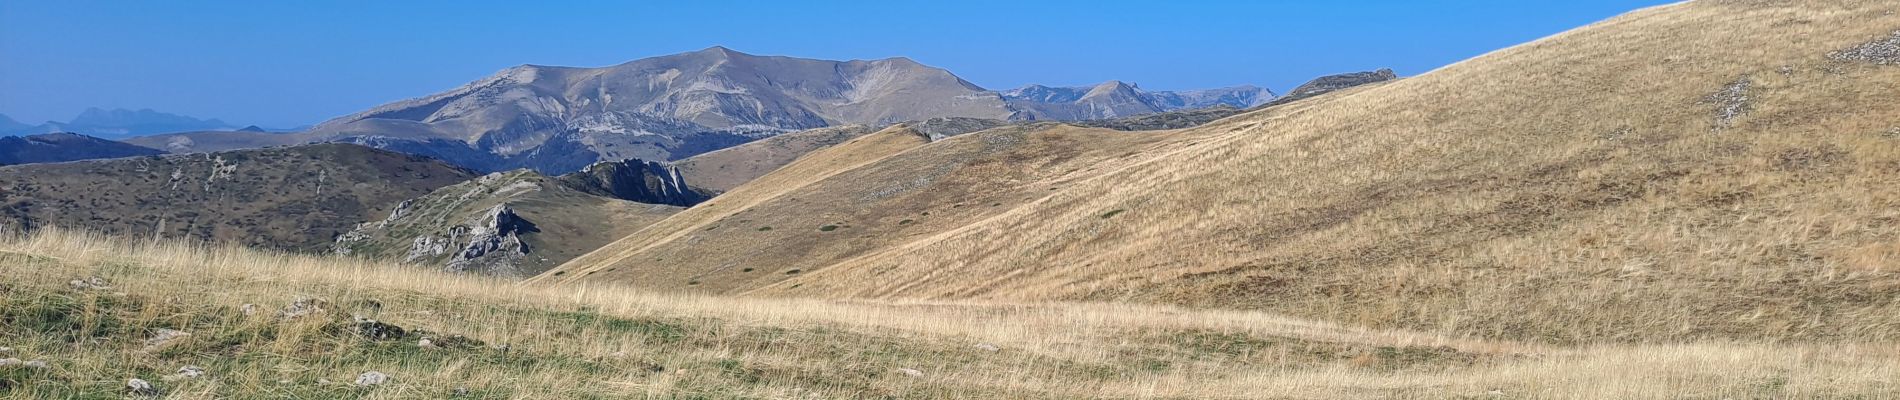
494 242
638 181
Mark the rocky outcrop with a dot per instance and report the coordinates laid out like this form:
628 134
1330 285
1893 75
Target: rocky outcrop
490 243
510 224
1333 83
1166 120
1884 51
494 243
942 128
639 181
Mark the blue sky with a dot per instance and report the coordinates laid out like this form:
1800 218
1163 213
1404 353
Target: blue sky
288 63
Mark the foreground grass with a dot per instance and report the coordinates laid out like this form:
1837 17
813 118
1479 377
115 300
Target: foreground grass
610 342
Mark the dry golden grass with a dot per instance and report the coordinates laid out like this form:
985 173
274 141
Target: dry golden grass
725 169
860 197
1577 189
592 341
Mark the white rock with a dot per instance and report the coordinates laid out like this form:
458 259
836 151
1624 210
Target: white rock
140 387
37 364
910 372
988 347
6 350
249 309
303 306
90 283
8 362
425 343
164 337
186 372
371 378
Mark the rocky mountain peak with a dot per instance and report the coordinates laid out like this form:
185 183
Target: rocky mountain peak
557 119
1113 89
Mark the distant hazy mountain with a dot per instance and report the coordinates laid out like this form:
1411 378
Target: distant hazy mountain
8 126
560 119
116 124
60 147
1117 99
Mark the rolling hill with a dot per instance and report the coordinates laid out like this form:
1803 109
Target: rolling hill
61 147
1624 181
510 224
291 198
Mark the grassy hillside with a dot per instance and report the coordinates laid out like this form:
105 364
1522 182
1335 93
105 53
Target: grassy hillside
492 339
561 222
745 240
728 168
1713 169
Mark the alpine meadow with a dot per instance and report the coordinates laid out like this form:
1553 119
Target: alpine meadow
1689 200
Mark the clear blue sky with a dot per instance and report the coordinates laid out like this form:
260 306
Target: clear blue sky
287 63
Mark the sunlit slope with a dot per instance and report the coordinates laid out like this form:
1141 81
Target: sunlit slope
1705 169
911 196
813 167
227 322
724 169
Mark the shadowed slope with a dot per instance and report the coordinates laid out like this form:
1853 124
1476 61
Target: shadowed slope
61 147
291 198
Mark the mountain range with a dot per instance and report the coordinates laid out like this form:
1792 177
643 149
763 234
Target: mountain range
116 123
559 119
